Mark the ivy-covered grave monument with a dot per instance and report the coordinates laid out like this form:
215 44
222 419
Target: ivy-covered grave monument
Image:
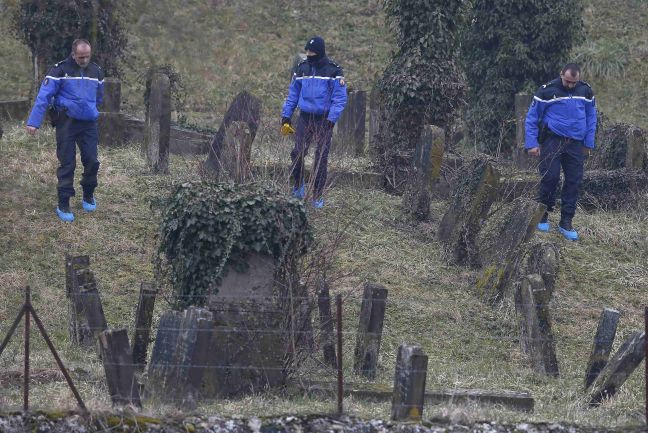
231 254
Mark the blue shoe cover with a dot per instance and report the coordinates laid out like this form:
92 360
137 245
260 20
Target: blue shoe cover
319 203
300 192
64 216
570 235
89 206
544 227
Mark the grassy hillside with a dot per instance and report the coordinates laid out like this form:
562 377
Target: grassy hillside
431 303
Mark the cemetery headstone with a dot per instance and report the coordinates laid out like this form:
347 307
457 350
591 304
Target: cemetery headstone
602 347
619 368
143 320
409 384
349 135
158 124
244 108
118 366
536 336
372 317
473 196
522 103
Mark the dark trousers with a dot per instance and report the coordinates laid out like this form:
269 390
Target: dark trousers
70 133
312 129
558 152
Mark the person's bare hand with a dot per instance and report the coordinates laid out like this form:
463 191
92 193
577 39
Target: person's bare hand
534 151
31 130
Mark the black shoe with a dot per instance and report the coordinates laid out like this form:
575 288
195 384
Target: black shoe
64 206
545 218
566 224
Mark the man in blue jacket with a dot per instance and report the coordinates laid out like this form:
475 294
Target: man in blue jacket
319 90
560 128
72 90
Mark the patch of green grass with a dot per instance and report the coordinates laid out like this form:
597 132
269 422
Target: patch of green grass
469 344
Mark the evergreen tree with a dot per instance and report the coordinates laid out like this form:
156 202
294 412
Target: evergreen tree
511 46
423 82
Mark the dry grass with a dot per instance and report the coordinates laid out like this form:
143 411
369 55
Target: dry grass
431 303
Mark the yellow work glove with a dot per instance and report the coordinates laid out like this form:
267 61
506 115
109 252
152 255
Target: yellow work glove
286 129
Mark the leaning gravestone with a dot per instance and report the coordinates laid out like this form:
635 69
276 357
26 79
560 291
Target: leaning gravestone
536 336
244 108
234 159
158 124
350 128
500 244
540 257
370 326
472 198
603 340
426 170
619 368
160 367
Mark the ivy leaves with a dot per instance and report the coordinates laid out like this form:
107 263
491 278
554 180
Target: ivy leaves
207 227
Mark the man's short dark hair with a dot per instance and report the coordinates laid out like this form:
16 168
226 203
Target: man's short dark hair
573 67
78 42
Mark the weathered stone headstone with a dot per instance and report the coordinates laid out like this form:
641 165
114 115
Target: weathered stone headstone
234 159
619 368
164 348
637 150
143 320
409 384
612 189
372 316
349 135
327 339
244 108
536 337
112 96
158 124
426 170
543 258
119 368
522 103
473 196
500 245
376 114
620 146
602 346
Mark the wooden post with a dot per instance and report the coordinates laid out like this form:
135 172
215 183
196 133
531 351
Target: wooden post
372 316
158 124
327 339
143 320
602 346
119 367
619 368
409 384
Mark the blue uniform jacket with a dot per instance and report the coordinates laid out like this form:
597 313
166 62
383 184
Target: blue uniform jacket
317 89
567 113
69 88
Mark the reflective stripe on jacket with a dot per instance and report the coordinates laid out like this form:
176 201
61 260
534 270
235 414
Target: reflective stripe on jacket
69 88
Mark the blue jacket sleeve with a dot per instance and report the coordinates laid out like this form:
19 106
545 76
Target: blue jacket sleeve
293 97
536 110
48 89
590 113
338 99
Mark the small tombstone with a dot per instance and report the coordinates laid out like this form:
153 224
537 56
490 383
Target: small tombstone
602 346
372 316
637 149
326 322
620 146
536 337
157 128
350 128
476 190
118 366
143 320
112 129
543 258
234 159
244 108
376 114
522 103
428 158
501 244
612 189
409 384
619 368
166 340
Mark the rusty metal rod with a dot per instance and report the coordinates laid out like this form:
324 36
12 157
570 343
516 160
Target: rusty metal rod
340 382
27 308
12 329
68 379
